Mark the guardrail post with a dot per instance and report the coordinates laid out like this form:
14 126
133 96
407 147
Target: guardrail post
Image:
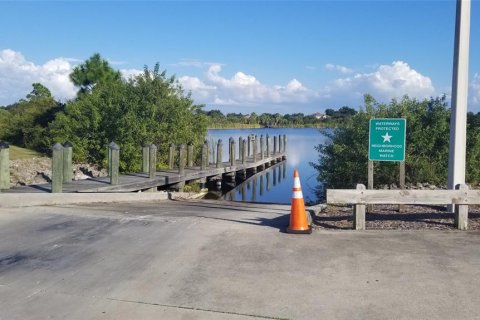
114 162
4 165
461 211
219 153
171 156
359 213
145 158
181 163
268 146
67 162
57 168
152 161
204 162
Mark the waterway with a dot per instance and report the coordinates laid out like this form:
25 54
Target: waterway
274 185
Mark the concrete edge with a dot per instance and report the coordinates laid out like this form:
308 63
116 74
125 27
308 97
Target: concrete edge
16 200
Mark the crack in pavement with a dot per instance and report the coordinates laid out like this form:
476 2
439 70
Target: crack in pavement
198 309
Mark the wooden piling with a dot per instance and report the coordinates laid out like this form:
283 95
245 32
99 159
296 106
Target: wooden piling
232 154
219 154
190 155
204 162
67 161
152 161
4 165
145 158
244 151
275 143
171 156
57 168
181 162
268 146
114 162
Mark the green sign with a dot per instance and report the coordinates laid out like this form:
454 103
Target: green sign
387 140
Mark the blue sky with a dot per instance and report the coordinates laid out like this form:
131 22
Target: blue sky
244 56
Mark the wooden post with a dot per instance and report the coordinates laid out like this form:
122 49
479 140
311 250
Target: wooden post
370 182
284 143
249 141
57 168
4 165
461 211
232 156
359 213
275 143
145 158
189 155
114 162
204 163
219 153
240 145
262 149
67 162
401 207
171 156
152 161
279 143
230 151
244 151
181 163
268 146
255 151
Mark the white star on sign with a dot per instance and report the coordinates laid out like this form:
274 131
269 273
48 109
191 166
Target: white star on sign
386 137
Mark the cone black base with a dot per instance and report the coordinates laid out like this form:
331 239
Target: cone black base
308 231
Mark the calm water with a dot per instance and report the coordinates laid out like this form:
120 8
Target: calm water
275 184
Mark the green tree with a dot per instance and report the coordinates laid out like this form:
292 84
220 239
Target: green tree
92 72
148 108
29 119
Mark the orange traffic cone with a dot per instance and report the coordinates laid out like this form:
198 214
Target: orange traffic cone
298 216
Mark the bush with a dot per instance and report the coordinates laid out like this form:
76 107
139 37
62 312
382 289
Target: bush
343 160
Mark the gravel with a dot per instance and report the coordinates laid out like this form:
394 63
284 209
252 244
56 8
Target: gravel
387 217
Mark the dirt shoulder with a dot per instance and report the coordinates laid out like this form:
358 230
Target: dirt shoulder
39 170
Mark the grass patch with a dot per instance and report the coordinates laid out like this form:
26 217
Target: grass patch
17 153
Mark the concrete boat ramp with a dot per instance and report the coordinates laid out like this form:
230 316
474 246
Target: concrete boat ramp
221 260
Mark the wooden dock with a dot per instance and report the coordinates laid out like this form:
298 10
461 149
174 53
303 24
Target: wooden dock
141 181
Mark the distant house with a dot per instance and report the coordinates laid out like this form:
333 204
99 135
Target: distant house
320 116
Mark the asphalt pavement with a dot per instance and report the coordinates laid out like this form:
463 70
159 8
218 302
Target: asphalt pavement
220 260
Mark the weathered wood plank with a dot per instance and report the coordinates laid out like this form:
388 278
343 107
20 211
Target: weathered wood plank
428 197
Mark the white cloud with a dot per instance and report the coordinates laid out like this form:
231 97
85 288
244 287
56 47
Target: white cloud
243 89
475 91
128 73
339 68
17 75
194 63
385 83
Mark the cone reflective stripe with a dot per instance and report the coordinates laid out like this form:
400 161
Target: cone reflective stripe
298 216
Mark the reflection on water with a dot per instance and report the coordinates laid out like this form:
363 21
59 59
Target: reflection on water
274 185
252 189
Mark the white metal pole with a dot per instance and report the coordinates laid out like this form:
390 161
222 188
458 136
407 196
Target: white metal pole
458 117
